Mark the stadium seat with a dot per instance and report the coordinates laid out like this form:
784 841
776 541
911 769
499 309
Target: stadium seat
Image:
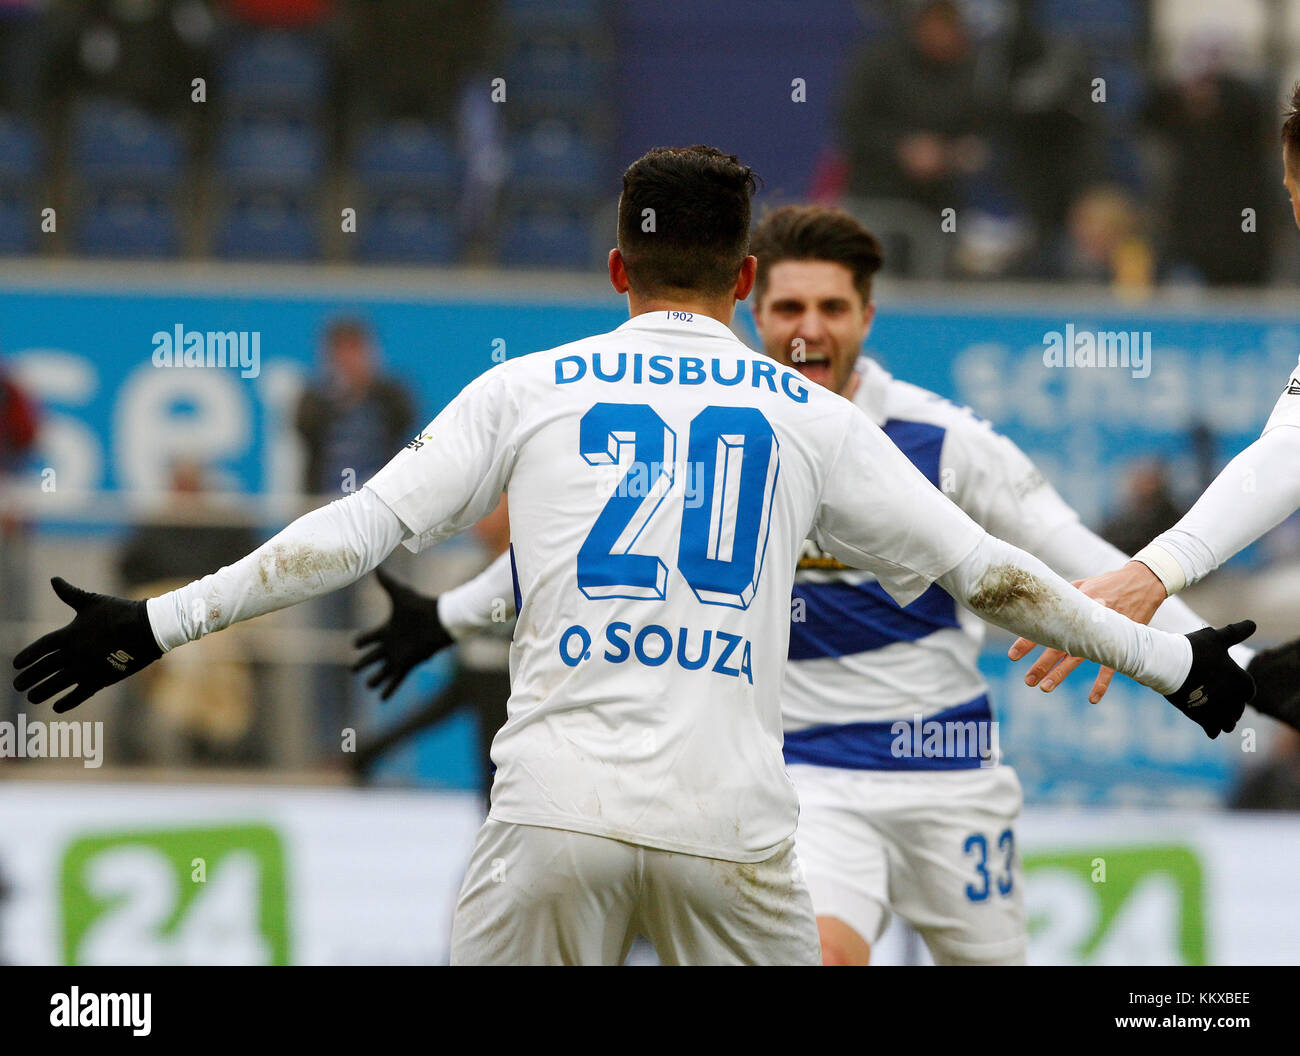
267 226
407 229
545 234
126 222
20 152
554 159
115 144
1110 23
274 70
554 75
572 15
407 156
18 222
1125 88
275 153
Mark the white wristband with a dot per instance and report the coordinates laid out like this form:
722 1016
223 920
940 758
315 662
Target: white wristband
1164 565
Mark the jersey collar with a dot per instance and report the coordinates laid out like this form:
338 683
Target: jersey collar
681 323
873 390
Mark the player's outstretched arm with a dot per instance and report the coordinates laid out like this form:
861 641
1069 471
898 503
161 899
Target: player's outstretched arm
1002 490
412 634
877 512
112 638
1256 491
420 626
1011 588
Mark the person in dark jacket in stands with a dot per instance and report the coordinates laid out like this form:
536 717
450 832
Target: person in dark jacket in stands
351 422
354 418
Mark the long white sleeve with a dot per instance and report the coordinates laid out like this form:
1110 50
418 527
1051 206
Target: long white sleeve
1017 591
318 553
487 599
1256 491
1075 552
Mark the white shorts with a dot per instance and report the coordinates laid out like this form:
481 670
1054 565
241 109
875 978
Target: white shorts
534 895
935 847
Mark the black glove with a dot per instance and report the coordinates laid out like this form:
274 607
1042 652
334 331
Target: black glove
109 640
1277 683
412 634
1216 691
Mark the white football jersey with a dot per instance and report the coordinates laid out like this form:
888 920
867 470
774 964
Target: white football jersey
662 479
1287 409
859 661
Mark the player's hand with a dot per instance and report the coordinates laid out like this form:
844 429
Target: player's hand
412 634
109 639
1277 683
1133 591
1216 691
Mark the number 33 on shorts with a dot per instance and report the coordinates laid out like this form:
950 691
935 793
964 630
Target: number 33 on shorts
990 876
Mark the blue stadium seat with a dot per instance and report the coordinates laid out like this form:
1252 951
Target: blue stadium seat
546 235
269 226
554 159
553 14
274 70
1113 23
554 75
410 229
115 144
20 152
127 223
19 221
271 153
1125 88
407 156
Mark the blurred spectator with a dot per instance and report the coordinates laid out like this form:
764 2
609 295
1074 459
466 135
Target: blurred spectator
411 58
17 424
911 128
18 430
1106 243
23 27
1148 508
1215 128
143 52
1274 782
352 422
1054 148
354 419
198 701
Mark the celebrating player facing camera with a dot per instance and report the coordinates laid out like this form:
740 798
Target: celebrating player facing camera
883 824
1256 491
640 784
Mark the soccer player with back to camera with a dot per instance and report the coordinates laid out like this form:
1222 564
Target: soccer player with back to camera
1227 518
640 785
880 830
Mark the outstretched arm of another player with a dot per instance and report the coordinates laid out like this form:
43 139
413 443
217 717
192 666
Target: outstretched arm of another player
421 626
878 512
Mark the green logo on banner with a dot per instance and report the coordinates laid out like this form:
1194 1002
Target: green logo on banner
1129 905
176 896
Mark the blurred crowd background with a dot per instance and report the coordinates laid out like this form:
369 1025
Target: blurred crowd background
1127 143
1090 140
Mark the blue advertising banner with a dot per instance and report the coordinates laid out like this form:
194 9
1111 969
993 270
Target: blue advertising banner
118 411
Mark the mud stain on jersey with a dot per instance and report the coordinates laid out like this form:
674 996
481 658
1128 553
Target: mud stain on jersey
283 565
1005 585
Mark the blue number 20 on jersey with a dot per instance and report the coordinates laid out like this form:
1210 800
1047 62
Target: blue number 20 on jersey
735 459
